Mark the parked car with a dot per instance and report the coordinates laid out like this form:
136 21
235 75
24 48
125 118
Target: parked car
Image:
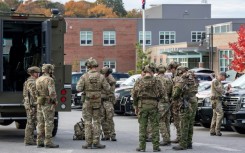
123 93
202 70
120 77
75 98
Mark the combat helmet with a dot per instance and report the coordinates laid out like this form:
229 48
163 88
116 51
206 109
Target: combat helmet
173 64
149 68
91 62
161 68
106 70
33 69
48 68
181 69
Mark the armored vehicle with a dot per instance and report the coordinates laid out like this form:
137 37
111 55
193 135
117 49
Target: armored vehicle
30 40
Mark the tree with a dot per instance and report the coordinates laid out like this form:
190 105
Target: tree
4 7
116 5
13 3
134 13
238 62
101 11
142 58
77 9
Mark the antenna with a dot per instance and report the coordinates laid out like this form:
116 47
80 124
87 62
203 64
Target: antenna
204 1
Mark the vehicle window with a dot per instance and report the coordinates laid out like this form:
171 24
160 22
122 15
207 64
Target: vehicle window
131 80
204 87
240 82
119 76
204 77
76 77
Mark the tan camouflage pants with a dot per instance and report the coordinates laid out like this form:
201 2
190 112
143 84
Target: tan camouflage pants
107 113
218 115
164 122
30 124
176 117
45 123
92 116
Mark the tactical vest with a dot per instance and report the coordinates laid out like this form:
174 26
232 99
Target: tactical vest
26 88
42 90
148 89
191 87
93 85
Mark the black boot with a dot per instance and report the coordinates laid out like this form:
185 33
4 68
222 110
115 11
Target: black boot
52 145
98 146
165 143
87 146
175 141
189 146
157 149
179 148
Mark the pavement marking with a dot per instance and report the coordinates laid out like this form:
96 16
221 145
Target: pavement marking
215 146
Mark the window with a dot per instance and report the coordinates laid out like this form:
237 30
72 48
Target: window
167 37
220 28
109 38
147 37
83 68
86 38
110 64
196 36
225 58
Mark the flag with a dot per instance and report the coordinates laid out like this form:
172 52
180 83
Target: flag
143 4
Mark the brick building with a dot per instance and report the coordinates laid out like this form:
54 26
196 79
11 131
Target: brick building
110 41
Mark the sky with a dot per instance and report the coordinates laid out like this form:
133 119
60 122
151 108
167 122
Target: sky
220 8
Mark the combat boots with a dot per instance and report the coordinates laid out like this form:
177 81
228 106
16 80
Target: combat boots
175 141
219 134
40 145
87 146
98 146
113 138
139 149
51 145
179 148
165 143
30 143
105 138
156 149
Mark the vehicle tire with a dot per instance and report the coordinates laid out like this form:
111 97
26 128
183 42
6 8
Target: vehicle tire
239 130
20 124
56 123
206 125
6 122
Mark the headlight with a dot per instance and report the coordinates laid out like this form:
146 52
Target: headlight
131 98
117 96
207 102
243 102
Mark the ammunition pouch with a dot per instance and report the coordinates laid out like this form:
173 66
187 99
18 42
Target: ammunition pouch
41 100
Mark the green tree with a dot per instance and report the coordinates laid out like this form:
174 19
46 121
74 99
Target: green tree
142 58
4 7
116 5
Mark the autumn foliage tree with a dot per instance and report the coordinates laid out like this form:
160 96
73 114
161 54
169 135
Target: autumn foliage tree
238 62
77 9
101 11
134 13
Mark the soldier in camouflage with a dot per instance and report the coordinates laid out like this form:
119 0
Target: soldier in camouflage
30 102
46 100
107 109
175 108
92 83
146 93
217 89
164 106
185 91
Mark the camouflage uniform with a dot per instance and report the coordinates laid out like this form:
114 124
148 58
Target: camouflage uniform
46 100
146 93
175 107
30 102
164 106
91 83
184 91
107 109
217 89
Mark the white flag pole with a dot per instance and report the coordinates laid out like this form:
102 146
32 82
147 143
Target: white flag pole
143 30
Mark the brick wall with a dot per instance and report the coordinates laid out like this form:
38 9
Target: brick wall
123 52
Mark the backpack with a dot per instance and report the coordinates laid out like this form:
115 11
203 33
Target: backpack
79 131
